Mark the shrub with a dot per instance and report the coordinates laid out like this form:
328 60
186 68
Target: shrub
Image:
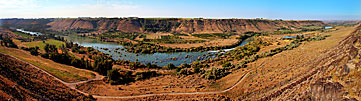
196 70
45 55
116 76
227 64
171 66
34 52
145 75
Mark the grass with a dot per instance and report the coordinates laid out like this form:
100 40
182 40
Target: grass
270 73
64 72
311 27
213 35
222 35
205 36
22 34
41 45
180 34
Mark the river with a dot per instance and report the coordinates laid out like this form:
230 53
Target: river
161 59
29 32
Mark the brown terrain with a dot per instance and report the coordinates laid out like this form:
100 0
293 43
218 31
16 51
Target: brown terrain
174 24
21 81
317 70
155 85
296 74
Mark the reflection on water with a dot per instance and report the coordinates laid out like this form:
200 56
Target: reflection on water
29 32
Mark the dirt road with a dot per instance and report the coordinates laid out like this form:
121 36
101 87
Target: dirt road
72 85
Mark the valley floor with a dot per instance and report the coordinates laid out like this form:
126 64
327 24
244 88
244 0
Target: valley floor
266 76
290 74
271 74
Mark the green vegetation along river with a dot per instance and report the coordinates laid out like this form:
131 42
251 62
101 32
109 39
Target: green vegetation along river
162 59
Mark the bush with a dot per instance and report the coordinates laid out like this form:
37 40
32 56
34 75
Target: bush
171 66
184 71
45 55
196 70
34 52
145 75
227 64
116 76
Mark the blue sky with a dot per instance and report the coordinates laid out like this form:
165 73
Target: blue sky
270 9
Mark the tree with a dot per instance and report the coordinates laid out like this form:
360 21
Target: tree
145 75
46 48
117 76
113 76
196 70
227 64
171 66
34 51
8 42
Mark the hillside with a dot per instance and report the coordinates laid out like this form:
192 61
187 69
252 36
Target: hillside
21 81
168 25
325 70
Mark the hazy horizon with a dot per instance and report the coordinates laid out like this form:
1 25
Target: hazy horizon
210 9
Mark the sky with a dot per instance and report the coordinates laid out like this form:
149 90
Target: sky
246 9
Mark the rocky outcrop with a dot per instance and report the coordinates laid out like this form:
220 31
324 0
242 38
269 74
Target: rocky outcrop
326 91
171 25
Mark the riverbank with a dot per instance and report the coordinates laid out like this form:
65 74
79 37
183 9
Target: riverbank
118 52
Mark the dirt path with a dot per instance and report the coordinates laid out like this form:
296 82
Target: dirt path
190 93
72 85
69 84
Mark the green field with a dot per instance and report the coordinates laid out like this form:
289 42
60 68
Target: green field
311 27
41 44
64 72
22 34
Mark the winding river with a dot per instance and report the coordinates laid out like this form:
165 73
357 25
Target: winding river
161 59
29 32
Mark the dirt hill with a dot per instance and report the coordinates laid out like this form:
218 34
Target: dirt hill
334 75
21 81
170 25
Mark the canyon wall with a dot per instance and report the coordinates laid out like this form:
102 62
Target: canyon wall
169 25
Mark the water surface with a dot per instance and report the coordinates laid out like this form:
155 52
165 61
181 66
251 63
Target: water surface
29 32
161 59
118 51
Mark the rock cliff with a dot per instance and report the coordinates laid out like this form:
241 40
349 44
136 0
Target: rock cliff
169 25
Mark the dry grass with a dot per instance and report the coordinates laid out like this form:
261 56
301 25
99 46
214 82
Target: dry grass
64 72
161 84
275 72
286 66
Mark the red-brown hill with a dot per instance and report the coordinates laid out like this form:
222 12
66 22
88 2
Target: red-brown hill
169 25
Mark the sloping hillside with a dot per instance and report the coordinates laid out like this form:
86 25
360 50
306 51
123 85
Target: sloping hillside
330 73
21 81
338 76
